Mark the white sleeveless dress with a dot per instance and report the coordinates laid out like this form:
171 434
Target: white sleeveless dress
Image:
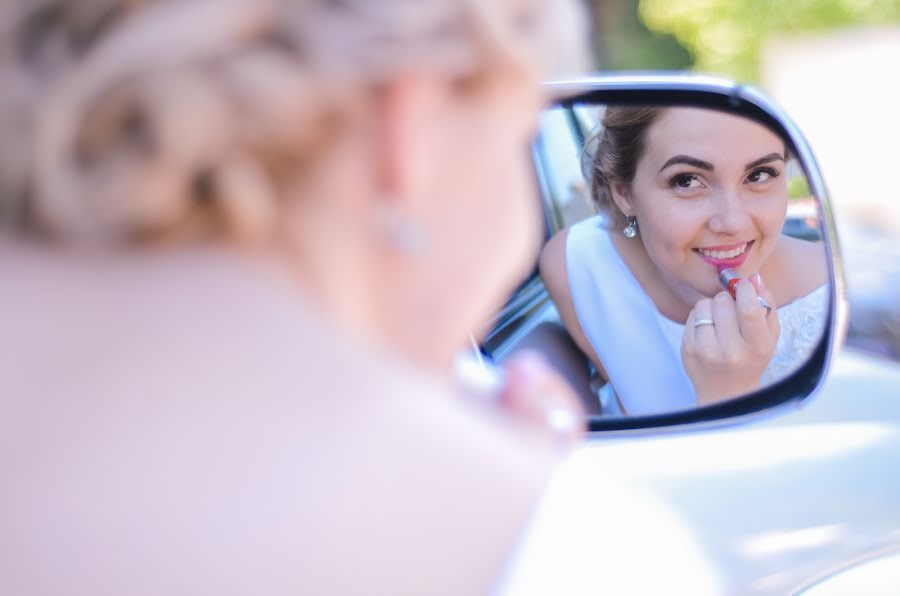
639 347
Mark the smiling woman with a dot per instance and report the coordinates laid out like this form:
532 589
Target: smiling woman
663 288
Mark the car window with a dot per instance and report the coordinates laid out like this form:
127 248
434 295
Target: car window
557 152
565 200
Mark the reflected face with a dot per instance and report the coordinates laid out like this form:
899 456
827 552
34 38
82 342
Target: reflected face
709 192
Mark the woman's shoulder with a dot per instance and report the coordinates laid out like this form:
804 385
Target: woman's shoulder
552 262
581 238
588 231
226 361
803 266
554 250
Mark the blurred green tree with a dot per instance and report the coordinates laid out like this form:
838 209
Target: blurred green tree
623 42
725 36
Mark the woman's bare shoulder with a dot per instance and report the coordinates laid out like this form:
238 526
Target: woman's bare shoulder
552 267
256 379
803 265
554 273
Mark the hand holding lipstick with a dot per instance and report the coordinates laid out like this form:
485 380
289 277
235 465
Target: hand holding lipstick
729 280
728 342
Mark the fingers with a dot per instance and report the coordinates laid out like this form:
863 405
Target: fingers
763 290
535 392
704 333
754 326
688 337
696 336
728 357
725 315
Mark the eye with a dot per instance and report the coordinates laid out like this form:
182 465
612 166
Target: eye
685 181
761 175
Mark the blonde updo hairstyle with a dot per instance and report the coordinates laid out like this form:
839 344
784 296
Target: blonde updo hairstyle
124 121
613 152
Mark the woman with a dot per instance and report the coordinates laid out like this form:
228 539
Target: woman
684 194
243 241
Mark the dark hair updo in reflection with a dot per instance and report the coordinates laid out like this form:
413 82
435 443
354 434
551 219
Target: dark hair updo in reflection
612 153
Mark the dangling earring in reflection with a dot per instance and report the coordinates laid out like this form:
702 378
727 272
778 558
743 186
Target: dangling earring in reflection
401 231
631 229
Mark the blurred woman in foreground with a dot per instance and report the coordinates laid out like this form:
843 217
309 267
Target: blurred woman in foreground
242 241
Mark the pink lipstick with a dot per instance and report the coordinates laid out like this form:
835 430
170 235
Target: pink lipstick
729 280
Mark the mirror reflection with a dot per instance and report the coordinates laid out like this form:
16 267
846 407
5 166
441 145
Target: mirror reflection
683 263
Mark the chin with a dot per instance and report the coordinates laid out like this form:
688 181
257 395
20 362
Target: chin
708 289
715 290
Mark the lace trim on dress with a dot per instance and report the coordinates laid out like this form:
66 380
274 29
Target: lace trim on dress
802 323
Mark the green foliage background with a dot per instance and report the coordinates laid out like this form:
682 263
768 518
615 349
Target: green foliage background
718 36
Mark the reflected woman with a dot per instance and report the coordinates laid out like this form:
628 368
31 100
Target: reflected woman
684 193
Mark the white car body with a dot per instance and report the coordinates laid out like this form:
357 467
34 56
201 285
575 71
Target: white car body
803 496
764 507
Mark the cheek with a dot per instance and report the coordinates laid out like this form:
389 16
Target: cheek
769 214
670 228
509 208
505 191
488 214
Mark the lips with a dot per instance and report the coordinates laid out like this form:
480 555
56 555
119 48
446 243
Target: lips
732 255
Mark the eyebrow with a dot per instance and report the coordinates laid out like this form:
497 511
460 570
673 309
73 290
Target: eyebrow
705 165
687 159
766 159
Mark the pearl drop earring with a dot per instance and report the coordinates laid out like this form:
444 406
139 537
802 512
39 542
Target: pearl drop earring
631 230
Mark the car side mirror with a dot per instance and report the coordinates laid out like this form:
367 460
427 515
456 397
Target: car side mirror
691 254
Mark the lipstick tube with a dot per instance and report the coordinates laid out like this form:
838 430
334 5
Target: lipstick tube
729 280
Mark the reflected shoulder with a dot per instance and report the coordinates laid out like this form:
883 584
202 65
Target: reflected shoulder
805 265
552 263
554 273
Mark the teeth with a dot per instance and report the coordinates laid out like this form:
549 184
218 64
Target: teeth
724 254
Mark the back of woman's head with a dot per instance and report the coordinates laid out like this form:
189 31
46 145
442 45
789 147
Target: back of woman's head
124 121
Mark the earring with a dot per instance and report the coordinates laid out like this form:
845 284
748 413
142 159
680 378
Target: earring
401 231
631 229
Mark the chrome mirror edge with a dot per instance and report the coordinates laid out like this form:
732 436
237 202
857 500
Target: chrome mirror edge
562 90
840 304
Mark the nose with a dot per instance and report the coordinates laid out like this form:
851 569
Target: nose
730 215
